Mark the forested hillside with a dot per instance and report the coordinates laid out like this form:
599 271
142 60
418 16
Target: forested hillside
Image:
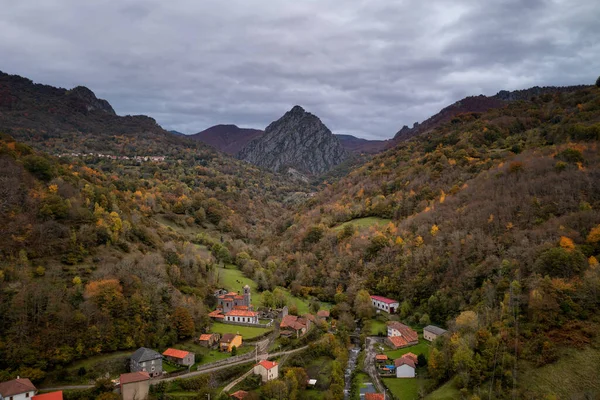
493 223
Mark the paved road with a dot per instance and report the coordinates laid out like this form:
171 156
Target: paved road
205 369
370 367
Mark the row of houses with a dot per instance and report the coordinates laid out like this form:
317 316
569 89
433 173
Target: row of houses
113 157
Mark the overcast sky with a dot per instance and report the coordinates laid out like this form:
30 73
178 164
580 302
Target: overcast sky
364 67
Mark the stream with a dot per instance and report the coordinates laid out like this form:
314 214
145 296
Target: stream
352 360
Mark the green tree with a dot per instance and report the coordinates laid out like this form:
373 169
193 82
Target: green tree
363 306
598 82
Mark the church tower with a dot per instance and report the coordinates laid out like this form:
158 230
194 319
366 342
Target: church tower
247 298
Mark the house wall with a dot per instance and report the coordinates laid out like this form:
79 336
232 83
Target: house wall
429 336
393 332
405 371
237 342
244 320
384 306
135 390
267 374
153 367
20 396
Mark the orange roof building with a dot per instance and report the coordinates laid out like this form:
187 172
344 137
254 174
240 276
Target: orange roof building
408 336
180 357
268 370
374 396
381 357
135 385
49 396
239 395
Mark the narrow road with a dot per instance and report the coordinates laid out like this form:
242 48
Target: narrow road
370 362
204 369
238 380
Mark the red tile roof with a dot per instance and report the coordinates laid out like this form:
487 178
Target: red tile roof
323 314
412 356
240 307
398 341
404 360
133 377
384 299
216 314
176 353
374 396
16 386
240 394
267 364
241 313
405 331
381 357
206 337
49 396
291 321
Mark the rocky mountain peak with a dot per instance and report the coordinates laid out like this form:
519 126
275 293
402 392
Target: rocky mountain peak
298 140
91 101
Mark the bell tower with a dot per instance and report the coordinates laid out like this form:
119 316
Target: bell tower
247 296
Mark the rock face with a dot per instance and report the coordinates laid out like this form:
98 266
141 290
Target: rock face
298 140
229 139
91 101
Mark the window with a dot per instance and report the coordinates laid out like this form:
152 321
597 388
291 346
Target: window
152 369
27 394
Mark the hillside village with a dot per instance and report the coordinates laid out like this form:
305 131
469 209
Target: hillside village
264 355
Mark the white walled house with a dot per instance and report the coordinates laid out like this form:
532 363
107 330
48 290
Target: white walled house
385 304
242 316
405 367
17 389
268 370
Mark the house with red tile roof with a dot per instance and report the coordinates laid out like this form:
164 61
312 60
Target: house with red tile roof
135 385
239 395
242 316
180 357
17 389
49 396
268 370
381 358
323 314
385 304
291 324
400 335
209 339
405 367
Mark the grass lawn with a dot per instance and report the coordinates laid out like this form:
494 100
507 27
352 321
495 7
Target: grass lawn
320 369
404 388
445 392
373 327
574 376
247 332
231 278
421 348
366 222
168 367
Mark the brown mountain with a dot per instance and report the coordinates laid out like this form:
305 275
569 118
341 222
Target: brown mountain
229 139
354 144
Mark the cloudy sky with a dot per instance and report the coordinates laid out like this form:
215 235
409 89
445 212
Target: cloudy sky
365 67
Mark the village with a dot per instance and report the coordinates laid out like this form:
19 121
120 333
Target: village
396 353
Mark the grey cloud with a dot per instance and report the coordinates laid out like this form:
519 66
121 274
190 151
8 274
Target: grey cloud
365 67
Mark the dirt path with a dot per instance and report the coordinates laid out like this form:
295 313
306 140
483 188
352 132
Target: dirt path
370 367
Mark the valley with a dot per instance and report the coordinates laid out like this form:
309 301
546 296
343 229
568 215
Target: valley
483 226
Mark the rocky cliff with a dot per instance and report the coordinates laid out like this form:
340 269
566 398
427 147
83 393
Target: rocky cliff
298 140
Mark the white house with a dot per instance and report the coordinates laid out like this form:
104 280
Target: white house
405 367
243 316
431 332
17 389
385 304
268 370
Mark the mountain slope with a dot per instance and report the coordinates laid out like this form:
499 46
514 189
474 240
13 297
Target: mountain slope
493 231
358 145
227 138
297 140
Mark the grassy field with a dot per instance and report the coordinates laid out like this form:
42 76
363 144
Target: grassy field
247 332
421 348
575 375
231 278
373 327
366 222
445 392
112 363
403 388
